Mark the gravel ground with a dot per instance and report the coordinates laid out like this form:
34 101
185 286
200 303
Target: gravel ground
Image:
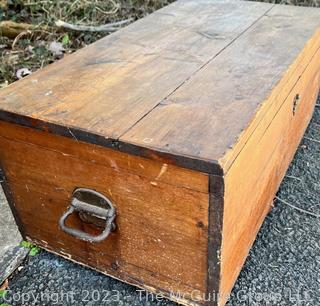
283 267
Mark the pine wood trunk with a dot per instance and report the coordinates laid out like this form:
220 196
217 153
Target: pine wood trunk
185 121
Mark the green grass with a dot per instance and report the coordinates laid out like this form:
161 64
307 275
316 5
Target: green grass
34 250
3 293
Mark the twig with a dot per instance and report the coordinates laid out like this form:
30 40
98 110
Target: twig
18 37
297 208
107 13
42 63
12 29
115 9
35 3
294 177
311 139
110 27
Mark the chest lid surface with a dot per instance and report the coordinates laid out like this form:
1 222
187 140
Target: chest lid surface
184 84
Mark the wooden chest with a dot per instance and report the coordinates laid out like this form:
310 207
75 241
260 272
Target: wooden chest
154 154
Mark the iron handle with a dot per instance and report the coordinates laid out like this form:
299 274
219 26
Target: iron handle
108 213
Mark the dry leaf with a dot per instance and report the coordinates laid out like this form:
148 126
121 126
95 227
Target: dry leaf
21 73
56 48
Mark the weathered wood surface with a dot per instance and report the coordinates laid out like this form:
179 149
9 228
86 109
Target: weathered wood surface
204 85
161 227
150 85
109 86
255 176
205 117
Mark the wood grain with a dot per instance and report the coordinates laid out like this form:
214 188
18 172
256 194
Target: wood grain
263 163
205 117
153 170
109 86
185 121
161 228
273 103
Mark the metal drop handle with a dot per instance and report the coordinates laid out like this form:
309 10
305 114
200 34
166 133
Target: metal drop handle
108 213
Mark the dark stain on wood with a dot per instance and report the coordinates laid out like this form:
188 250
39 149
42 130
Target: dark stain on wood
215 229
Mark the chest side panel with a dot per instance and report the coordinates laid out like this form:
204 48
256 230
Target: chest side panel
254 177
161 238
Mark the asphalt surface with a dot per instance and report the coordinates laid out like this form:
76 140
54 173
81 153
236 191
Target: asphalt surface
283 267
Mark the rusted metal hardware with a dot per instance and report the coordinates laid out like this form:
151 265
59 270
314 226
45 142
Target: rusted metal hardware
88 202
